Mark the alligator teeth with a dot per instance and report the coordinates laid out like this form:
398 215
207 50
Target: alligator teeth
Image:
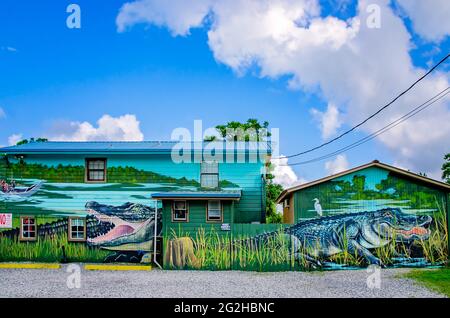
417 230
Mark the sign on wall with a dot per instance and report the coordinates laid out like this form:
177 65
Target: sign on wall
5 220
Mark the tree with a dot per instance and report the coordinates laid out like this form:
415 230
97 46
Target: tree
273 190
26 141
251 130
446 168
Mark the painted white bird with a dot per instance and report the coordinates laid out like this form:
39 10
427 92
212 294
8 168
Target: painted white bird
318 207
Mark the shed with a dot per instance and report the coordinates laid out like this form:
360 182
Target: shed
371 186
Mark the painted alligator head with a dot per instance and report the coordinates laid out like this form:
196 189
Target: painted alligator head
132 226
392 223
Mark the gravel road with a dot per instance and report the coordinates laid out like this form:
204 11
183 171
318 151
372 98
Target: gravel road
179 284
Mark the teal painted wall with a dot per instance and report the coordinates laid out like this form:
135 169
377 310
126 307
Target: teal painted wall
368 190
66 193
131 180
249 177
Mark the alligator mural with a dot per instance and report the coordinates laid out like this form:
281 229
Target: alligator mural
314 242
355 233
127 230
131 234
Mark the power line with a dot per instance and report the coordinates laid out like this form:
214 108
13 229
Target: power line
371 116
393 124
380 131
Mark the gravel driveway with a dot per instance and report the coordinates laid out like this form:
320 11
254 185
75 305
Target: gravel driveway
158 283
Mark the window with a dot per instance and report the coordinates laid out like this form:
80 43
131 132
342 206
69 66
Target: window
214 212
96 170
179 211
27 228
77 229
209 175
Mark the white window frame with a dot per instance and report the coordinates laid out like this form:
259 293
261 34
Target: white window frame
186 209
215 219
71 232
205 171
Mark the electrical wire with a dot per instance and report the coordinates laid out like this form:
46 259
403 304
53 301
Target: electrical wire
371 116
393 124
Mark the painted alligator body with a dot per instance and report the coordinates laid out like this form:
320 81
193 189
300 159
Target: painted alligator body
357 233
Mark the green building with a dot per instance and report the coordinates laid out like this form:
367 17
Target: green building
408 210
108 201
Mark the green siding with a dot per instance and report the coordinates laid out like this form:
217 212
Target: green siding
130 179
369 189
197 219
249 177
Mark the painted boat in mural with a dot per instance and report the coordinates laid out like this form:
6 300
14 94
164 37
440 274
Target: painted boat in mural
22 192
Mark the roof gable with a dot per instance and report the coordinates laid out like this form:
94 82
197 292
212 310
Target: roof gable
375 163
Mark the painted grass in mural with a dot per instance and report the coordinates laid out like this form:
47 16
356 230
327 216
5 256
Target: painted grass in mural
122 233
385 237
49 249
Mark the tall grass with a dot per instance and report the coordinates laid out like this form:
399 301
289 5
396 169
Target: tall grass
435 249
48 249
216 251
345 257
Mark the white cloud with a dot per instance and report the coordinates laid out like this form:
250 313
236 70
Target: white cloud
430 19
123 128
337 165
177 15
329 121
346 63
2 113
14 139
9 49
284 174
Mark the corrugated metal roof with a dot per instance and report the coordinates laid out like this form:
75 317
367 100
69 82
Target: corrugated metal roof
120 146
222 194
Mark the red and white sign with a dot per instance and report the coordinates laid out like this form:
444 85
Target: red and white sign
5 220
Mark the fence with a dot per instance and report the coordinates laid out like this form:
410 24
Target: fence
245 247
236 249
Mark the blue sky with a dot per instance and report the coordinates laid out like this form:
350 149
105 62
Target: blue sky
51 75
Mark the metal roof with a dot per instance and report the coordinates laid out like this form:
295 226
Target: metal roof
375 163
189 195
126 146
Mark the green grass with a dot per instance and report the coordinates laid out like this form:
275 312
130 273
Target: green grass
224 252
435 279
48 250
220 252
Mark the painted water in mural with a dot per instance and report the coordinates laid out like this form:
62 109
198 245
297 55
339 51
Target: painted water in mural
370 217
125 229
120 217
